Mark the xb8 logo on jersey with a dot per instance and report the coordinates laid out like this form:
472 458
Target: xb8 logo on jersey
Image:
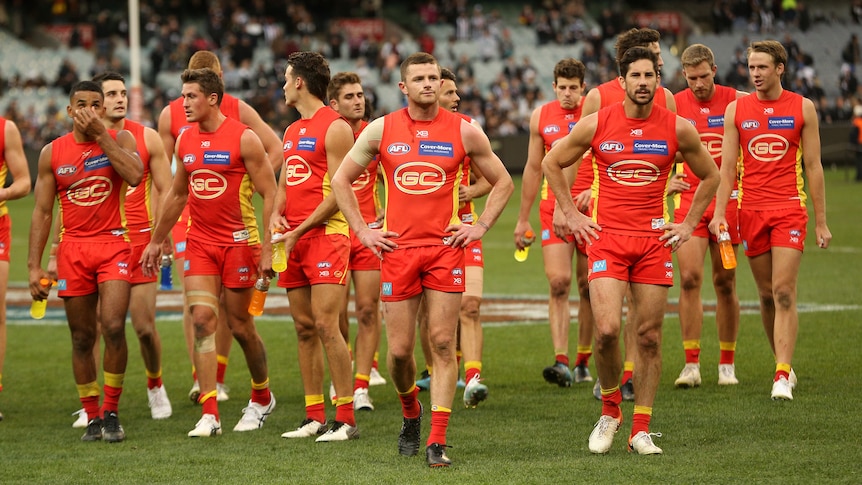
296 170
89 191
207 184
633 173
768 147
417 178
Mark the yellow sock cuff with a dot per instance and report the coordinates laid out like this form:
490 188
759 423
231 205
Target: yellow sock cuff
691 344
349 347
440 409
206 397
782 367
376 355
363 377
643 410
430 369
458 354
154 375
90 389
222 359
313 399
628 366
608 392
473 364
409 391
261 386
114 380
344 400
561 351
727 346
585 349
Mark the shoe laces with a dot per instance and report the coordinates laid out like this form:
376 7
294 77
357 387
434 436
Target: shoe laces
648 436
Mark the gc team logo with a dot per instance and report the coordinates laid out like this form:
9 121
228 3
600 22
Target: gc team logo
296 170
768 147
90 191
712 143
417 178
206 184
362 181
633 173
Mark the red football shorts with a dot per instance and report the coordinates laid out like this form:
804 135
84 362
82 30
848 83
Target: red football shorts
361 258
81 266
473 254
316 260
235 265
762 230
546 217
137 276
405 272
5 237
178 234
636 259
731 214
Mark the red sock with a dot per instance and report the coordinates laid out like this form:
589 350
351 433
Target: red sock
91 407
563 359
154 383
360 383
692 356
316 412
221 369
410 403
583 358
640 422
726 356
209 403
344 413
470 373
439 423
782 373
112 398
627 374
611 404
261 396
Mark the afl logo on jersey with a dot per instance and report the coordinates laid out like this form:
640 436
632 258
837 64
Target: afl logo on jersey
611 147
551 130
750 125
90 191
189 159
398 149
206 184
296 170
633 173
66 170
288 145
417 178
768 147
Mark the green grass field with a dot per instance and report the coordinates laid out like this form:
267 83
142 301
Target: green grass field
526 432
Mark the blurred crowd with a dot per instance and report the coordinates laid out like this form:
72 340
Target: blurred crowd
173 29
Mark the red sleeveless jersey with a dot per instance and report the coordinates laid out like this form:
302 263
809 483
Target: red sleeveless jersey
423 163
770 134
229 107
220 190
632 160
139 216
3 168
708 119
555 122
307 173
90 191
365 187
